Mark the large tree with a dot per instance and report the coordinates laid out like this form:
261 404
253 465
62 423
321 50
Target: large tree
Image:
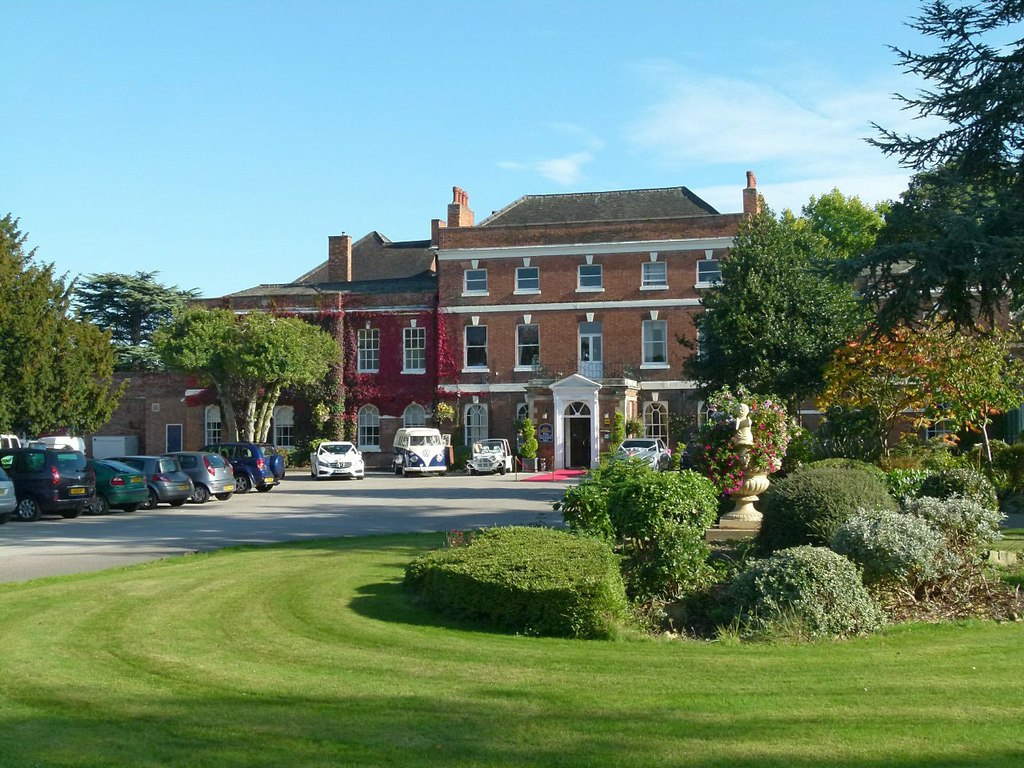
131 307
248 359
57 372
777 316
957 249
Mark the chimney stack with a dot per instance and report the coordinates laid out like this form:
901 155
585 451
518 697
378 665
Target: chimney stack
751 203
459 214
339 258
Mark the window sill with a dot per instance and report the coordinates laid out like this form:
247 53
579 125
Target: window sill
525 291
654 287
368 370
599 289
369 448
654 366
414 371
476 293
708 285
526 369
476 369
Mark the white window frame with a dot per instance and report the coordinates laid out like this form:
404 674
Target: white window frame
475 421
706 283
521 348
649 282
477 290
651 345
593 285
213 427
414 415
656 426
368 350
414 349
527 284
368 429
284 426
466 346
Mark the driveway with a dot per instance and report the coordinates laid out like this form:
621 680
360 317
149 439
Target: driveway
300 508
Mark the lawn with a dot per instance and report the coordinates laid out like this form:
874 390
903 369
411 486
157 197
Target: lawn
311 655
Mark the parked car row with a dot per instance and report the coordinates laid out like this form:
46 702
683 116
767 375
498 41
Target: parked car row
38 479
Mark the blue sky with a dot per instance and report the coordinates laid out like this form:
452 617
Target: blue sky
221 143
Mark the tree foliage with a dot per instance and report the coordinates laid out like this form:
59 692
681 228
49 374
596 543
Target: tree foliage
248 360
131 307
954 242
56 371
775 319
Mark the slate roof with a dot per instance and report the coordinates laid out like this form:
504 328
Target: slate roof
586 207
375 257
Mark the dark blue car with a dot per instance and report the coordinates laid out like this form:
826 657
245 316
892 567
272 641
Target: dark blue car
253 467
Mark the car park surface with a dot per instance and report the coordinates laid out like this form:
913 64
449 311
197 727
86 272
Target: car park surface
302 509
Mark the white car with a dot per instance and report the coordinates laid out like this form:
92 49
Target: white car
337 459
650 449
490 456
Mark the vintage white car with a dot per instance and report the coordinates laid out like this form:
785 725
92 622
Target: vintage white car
490 456
337 459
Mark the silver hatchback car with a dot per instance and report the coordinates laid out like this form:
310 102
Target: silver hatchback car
8 499
210 472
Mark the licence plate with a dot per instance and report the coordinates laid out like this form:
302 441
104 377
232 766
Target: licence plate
183 487
78 491
228 488
3 491
136 481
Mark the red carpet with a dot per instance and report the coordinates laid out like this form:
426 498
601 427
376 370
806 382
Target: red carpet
555 476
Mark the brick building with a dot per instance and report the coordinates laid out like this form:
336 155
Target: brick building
570 308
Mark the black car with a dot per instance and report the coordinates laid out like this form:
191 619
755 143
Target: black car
49 481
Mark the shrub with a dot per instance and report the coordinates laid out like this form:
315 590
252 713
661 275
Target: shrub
808 506
1009 464
530 580
906 482
890 547
968 528
655 520
855 464
966 483
810 590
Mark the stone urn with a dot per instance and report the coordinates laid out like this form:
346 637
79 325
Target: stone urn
744 515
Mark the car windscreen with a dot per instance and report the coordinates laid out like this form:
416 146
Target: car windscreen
639 445
215 460
339 449
118 466
168 465
71 460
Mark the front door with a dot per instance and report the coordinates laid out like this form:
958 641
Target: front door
591 351
577 432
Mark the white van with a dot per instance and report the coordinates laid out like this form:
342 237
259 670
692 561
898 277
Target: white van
10 441
419 449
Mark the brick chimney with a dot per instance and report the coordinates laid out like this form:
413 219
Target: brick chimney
436 225
339 258
751 203
459 214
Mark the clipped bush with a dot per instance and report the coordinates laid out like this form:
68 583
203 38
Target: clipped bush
890 547
968 527
1008 464
966 483
906 482
530 580
655 520
855 464
808 506
807 591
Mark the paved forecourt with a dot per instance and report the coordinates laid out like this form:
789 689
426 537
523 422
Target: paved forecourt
301 508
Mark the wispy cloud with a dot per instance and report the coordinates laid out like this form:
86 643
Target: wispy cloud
568 169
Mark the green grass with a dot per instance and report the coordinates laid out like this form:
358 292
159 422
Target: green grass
311 655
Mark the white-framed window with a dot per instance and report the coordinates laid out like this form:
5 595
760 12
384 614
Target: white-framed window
527 280
476 423
589 277
656 420
655 338
368 350
414 350
708 272
368 428
284 426
653 274
703 347
474 281
415 415
938 429
211 425
522 411
476 346
527 346
702 412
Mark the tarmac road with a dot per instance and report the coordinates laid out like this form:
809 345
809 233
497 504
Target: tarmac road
298 509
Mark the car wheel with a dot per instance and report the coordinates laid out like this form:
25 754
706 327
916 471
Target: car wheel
501 470
263 488
27 511
242 484
224 496
71 514
99 506
5 517
129 507
178 502
201 494
398 469
151 500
